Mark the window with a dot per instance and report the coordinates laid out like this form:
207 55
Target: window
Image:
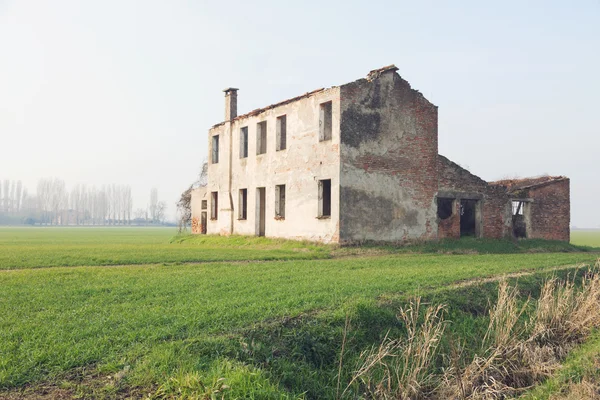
445 208
244 142
280 201
517 207
325 122
214 205
325 198
243 204
204 204
215 149
281 133
261 137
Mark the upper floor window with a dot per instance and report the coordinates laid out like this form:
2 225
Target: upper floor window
325 121
244 142
281 133
261 137
215 149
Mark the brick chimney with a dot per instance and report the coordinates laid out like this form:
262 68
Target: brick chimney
230 103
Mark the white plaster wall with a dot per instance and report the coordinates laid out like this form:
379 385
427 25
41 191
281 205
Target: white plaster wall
198 194
300 166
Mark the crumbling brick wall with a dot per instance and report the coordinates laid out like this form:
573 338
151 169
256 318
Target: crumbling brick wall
456 182
388 175
550 211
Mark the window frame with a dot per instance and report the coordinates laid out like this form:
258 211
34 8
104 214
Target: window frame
214 155
281 130
280 195
214 206
324 212
243 204
326 121
261 137
244 142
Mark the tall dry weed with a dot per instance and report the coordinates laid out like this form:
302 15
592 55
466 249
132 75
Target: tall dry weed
401 368
517 355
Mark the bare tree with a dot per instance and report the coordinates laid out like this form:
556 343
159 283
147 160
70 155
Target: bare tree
6 201
153 204
18 197
161 208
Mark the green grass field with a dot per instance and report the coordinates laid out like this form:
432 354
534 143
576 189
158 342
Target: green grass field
168 313
586 238
55 246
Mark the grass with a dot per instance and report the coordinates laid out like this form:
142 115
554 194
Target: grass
586 238
271 329
578 378
28 247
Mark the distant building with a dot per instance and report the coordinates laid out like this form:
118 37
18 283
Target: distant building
360 162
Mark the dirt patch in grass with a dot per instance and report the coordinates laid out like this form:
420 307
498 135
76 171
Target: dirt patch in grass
80 383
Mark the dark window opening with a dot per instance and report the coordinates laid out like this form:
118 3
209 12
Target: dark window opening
468 218
215 149
204 204
325 198
281 133
325 121
261 137
280 201
244 142
243 204
445 208
214 205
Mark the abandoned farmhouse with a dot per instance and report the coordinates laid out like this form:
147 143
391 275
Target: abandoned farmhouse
360 162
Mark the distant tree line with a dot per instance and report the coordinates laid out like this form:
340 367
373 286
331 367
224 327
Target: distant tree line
53 204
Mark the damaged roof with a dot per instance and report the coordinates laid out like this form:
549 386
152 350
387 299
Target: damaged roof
263 109
374 74
527 183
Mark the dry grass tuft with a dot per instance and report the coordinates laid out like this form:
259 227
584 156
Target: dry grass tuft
400 368
517 355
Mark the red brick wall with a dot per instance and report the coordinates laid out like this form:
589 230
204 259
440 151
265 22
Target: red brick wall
495 203
550 211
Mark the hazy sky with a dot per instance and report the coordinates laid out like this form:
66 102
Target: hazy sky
103 91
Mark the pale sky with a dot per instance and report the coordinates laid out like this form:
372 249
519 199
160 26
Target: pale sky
124 92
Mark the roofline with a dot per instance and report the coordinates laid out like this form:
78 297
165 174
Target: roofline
269 107
551 181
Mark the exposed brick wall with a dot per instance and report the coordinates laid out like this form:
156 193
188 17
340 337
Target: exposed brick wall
495 203
450 227
389 161
550 211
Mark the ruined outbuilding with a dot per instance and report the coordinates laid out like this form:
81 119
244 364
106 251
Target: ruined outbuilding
360 162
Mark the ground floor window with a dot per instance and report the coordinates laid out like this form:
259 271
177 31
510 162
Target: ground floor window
214 205
325 198
280 201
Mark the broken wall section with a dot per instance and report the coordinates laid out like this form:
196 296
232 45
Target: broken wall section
493 210
389 148
547 212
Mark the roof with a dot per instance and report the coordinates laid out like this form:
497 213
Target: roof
527 183
263 109
374 74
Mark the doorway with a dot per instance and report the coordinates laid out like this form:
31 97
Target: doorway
203 222
469 218
260 211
